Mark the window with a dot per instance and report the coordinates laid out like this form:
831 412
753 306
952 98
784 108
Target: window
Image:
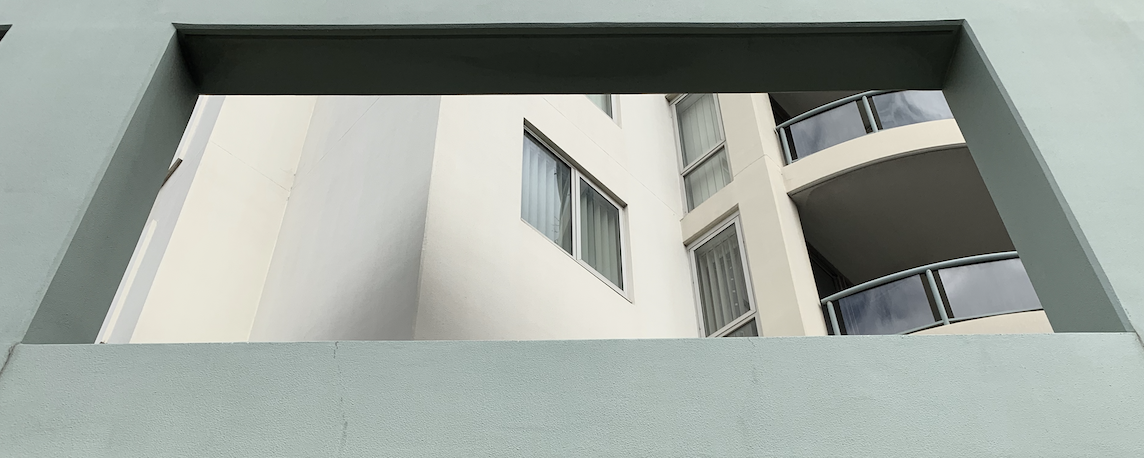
589 227
604 101
722 286
702 147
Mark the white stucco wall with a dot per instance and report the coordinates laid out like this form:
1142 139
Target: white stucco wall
208 284
348 255
487 274
123 315
395 218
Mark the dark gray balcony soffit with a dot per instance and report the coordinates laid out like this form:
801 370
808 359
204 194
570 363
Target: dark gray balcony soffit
616 58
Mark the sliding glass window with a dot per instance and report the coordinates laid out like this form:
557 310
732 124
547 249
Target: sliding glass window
589 228
706 169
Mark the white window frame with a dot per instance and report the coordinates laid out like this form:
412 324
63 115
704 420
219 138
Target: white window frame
685 169
753 312
613 106
577 176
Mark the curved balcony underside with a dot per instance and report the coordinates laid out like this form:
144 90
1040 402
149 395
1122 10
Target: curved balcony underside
902 210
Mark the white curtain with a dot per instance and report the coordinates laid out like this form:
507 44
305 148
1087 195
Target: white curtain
600 234
546 193
722 283
699 128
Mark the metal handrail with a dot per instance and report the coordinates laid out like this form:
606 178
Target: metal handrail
931 285
918 271
829 106
866 109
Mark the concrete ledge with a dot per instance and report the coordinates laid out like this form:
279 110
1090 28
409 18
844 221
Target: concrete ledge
1012 395
871 149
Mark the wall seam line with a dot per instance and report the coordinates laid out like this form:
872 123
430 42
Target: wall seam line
7 359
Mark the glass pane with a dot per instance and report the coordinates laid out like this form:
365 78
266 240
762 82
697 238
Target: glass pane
892 308
546 193
989 288
746 330
910 107
604 101
600 234
699 128
708 178
827 129
722 282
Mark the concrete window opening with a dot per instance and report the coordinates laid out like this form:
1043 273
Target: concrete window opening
95 97
713 149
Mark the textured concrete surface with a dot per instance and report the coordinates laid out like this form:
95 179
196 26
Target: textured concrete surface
918 396
1065 175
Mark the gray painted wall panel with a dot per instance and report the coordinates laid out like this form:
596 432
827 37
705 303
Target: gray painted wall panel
366 178
1023 395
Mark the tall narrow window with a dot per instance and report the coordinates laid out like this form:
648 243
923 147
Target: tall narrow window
600 232
722 285
604 101
703 147
589 228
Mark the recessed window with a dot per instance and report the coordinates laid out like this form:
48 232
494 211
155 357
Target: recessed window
702 147
722 284
588 227
604 101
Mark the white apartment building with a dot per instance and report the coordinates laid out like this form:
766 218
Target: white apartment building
571 217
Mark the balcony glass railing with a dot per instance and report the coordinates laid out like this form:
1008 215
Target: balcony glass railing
852 117
933 295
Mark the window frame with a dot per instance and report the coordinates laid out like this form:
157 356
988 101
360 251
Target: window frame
753 311
577 177
685 169
612 112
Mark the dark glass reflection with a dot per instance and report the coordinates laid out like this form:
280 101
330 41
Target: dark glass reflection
989 288
898 109
747 330
827 129
892 308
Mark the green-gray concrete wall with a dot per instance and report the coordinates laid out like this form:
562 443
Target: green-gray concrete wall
89 95
1026 395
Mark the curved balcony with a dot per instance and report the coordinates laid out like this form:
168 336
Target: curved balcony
933 295
856 116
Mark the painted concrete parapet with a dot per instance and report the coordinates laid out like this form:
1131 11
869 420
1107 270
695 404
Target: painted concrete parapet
919 396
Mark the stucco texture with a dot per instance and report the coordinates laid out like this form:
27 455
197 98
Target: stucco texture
1022 395
72 75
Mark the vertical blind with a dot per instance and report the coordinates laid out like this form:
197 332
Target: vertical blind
700 132
707 179
546 193
699 128
722 281
600 234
